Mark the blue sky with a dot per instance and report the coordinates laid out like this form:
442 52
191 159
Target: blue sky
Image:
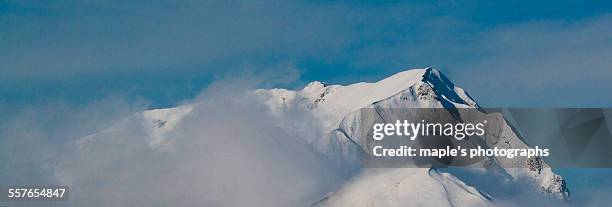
99 53
554 53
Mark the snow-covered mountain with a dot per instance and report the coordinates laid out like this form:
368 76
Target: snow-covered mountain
336 108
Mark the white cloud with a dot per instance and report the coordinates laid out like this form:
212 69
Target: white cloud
229 151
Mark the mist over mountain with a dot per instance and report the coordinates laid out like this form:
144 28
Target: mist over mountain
279 147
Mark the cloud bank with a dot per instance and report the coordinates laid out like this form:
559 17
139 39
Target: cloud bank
229 151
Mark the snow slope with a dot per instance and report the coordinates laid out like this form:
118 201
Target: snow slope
406 187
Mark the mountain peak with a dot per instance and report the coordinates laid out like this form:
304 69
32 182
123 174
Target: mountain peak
446 88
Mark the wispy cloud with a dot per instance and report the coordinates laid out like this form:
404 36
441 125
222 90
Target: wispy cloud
547 63
229 151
